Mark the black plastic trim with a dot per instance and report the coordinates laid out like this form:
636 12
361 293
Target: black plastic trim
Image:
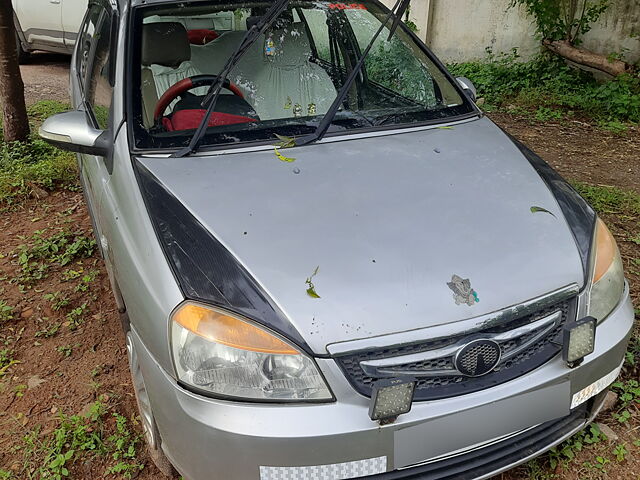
204 269
345 134
579 214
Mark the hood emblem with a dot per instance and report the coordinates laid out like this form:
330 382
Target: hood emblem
462 291
478 358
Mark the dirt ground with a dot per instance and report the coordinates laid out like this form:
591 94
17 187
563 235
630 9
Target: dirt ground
46 77
579 151
51 382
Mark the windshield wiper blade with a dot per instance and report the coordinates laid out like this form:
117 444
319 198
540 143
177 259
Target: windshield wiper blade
335 106
211 98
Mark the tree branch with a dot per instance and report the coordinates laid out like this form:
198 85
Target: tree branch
594 60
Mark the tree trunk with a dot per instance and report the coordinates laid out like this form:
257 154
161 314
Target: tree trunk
565 49
15 121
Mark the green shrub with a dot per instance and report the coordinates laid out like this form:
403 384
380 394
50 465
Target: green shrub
547 81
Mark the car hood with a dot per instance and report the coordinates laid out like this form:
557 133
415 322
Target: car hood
388 221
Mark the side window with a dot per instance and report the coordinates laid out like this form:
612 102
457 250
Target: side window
85 40
98 90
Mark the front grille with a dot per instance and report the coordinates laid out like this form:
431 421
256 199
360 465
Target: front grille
496 457
437 384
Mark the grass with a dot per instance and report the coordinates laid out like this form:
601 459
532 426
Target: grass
549 88
610 200
60 248
6 360
6 312
35 167
78 438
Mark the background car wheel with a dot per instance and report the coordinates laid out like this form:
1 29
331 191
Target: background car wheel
149 427
23 55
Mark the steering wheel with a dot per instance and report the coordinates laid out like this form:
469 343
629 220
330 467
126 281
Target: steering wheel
183 86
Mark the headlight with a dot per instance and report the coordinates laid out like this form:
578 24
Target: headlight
218 352
607 281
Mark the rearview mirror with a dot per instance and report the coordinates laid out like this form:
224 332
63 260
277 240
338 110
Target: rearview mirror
468 87
72 131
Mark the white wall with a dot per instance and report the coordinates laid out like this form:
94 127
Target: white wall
461 30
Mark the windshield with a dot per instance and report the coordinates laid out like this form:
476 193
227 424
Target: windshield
286 81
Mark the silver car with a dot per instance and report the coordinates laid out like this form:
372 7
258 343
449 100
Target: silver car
330 263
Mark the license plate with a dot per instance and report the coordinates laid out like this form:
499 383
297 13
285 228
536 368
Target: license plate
474 427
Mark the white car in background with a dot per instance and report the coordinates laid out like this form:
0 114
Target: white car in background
53 25
49 25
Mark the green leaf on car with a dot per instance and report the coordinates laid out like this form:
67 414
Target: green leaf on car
285 142
536 209
282 158
312 293
311 289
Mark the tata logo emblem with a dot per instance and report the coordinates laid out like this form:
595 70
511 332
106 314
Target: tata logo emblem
478 358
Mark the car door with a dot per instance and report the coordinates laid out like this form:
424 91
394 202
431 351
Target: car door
41 22
73 12
92 68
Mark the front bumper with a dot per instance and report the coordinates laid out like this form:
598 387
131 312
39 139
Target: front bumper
207 438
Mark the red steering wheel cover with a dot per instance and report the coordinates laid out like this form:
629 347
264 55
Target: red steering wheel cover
183 86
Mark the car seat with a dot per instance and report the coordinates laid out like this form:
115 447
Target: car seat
287 82
166 59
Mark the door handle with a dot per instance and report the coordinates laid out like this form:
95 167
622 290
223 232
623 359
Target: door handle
55 2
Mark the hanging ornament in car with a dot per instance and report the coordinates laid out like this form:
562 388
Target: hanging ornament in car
269 47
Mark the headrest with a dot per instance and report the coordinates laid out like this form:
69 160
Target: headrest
165 44
291 45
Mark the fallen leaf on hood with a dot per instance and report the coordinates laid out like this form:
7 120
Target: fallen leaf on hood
535 209
312 293
282 157
311 290
285 142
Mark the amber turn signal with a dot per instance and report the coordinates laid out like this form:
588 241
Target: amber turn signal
226 329
606 250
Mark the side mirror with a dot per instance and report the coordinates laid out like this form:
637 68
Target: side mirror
72 131
468 87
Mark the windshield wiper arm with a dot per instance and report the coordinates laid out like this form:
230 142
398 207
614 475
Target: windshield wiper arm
211 98
399 8
399 14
